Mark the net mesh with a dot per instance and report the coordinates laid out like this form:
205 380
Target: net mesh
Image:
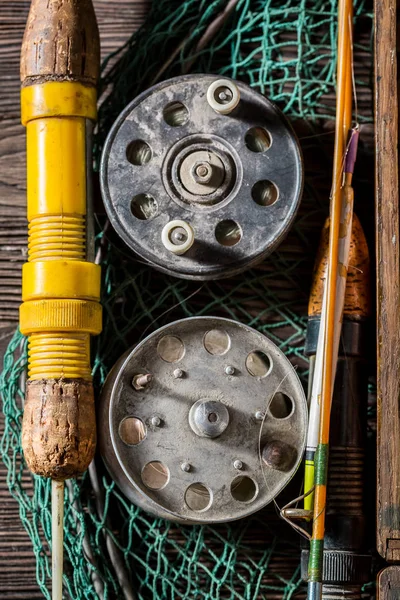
286 50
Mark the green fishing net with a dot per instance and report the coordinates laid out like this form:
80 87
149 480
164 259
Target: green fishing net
285 49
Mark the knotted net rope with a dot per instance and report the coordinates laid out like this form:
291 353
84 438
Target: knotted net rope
287 50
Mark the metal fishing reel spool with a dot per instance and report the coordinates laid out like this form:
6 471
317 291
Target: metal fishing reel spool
201 176
202 422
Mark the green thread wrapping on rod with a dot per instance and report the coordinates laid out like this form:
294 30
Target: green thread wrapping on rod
285 49
316 560
321 465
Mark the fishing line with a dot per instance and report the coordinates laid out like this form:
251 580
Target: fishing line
353 77
183 301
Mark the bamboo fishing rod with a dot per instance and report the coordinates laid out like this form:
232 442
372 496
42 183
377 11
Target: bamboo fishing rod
346 561
341 201
60 64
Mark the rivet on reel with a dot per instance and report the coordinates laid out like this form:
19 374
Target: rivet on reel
189 444
212 155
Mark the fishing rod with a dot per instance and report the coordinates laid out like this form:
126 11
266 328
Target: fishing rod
347 563
324 368
317 310
60 61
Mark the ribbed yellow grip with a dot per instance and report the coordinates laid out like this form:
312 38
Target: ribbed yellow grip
52 237
60 288
54 356
60 315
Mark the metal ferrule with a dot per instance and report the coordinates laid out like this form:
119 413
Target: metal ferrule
314 591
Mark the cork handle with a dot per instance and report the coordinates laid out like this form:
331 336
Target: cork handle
61 42
59 427
357 302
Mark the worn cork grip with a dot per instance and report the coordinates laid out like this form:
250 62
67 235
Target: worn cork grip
61 42
59 427
357 301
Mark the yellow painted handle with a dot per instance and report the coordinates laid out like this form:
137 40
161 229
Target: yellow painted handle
60 288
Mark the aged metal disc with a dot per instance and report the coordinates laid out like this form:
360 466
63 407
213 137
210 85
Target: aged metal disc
204 421
235 179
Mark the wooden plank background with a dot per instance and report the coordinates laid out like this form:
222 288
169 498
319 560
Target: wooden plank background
388 288
117 20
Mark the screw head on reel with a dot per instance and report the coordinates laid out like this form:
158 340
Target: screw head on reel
187 444
213 155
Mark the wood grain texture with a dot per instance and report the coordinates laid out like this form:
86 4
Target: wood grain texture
389 583
61 42
388 291
117 19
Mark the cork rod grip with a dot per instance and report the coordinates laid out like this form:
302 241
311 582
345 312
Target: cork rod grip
357 302
59 427
61 42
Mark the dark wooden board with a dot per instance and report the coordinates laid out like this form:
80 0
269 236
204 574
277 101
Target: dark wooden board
117 20
388 289
389 583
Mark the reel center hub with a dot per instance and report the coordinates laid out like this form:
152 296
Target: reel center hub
201 171
208 418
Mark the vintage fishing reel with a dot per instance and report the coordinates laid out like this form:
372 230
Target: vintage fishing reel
201 176
204 421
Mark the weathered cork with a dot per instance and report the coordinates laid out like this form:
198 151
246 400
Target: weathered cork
61 42
357 302
59 427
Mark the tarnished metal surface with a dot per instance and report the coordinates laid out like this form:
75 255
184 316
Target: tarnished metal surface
236 179
188 446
